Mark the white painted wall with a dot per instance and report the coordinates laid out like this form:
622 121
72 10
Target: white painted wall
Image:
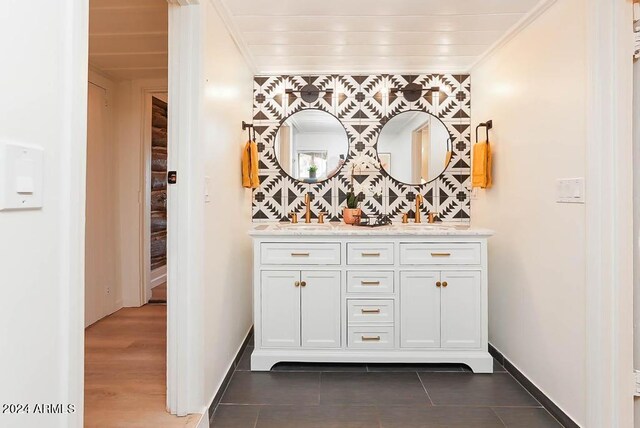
43 82
102 290
534 89
227 276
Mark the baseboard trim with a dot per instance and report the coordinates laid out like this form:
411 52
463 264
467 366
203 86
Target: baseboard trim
158 277
546 402
227 377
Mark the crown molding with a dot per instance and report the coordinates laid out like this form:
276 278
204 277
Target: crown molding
234 31
523 23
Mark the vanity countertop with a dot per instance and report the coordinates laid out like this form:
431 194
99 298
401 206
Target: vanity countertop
341 229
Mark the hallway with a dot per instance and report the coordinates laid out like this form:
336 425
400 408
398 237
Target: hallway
374 395
125 366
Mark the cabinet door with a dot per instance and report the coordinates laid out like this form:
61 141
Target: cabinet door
419 309
280 307
461 309
320 309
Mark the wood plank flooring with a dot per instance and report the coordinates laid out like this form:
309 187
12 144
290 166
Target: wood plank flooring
125 369
159 293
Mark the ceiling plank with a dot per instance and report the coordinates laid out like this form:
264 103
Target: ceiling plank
128 43
371 38
369 50
496 22
378 8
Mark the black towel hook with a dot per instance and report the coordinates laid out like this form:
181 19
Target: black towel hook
487 126
251 128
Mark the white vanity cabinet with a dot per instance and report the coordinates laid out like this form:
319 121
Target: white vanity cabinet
397 294
300 308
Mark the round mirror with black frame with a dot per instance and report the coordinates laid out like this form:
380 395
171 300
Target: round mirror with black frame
414 147
311 145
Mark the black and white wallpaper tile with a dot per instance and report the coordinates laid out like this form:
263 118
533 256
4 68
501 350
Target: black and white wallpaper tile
363 104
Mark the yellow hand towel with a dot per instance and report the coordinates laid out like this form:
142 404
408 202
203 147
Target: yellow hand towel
481 168
250 178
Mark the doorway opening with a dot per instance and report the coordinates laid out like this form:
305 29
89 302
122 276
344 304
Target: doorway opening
126 217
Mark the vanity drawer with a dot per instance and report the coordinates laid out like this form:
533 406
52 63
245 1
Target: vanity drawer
370 311
370 253
370 282
440 254
300 254
370 337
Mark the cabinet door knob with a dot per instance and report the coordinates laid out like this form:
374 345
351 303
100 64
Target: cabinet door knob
438 284
303 283
444 284
297 283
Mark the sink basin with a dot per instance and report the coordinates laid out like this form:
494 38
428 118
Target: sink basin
304 226
432 225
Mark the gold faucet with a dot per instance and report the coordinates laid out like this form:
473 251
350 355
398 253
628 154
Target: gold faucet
432 217
307 214
418 204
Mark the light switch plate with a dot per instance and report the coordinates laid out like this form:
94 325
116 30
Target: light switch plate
570 190
21 176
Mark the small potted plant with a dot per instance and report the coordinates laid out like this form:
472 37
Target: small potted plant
312 172
352 212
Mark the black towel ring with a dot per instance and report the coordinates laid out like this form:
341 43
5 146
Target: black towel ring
487 126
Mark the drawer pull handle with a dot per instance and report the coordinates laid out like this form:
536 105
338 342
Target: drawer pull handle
440 254
371 311
304 283
370 254
370 338
299 254
438 284
444 284
297 283
370 282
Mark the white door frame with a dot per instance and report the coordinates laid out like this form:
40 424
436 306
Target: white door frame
145 213
185 213
73 155
609 214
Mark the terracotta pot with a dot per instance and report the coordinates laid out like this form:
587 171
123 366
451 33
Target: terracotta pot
351 215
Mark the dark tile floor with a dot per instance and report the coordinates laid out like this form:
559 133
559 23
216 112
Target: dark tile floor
376 395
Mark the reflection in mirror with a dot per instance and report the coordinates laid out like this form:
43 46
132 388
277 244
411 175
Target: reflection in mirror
414 147
311 145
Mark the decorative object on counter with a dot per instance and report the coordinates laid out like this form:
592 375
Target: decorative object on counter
381 220
351 212
482 159
250 160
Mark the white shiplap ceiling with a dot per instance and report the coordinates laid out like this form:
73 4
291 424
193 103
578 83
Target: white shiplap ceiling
347 36
128 39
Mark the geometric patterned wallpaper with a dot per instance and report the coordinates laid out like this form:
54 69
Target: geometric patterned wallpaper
363 104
